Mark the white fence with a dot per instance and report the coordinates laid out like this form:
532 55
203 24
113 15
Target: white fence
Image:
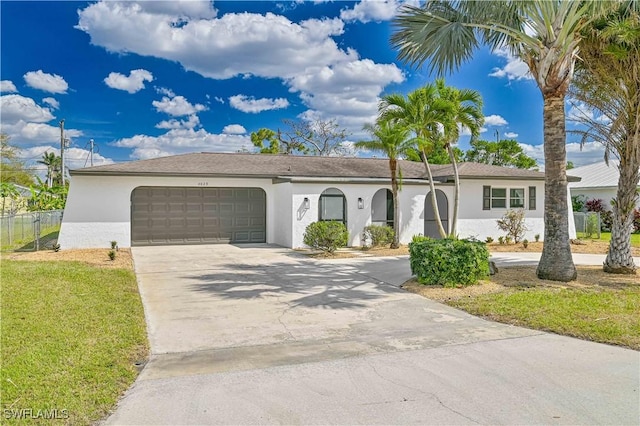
29 231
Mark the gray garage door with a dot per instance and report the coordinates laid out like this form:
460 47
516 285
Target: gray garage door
176 215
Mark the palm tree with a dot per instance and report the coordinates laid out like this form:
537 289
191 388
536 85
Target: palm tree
464 112
53 163
545 34
608 82
423 113
393 140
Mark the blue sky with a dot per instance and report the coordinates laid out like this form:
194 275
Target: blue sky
150 79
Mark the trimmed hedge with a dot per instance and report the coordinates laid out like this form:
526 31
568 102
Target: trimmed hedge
448 262
326 236
379 235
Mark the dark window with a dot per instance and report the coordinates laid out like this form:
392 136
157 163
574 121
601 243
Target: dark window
486 198
390 208
532 198
516 198
332 206
498 198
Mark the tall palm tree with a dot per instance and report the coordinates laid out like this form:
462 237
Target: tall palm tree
545 34
464 112
53 163
423 113
391 139
608 82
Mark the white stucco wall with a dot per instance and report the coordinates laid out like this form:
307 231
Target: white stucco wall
98 208
473 221
412 198
284 214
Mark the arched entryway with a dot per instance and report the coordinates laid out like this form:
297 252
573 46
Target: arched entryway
382 208
332 205
430 224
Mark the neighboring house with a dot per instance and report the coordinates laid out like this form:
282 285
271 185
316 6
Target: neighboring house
599 180
249 198
17 204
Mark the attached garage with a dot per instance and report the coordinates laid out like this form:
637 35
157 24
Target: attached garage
187 215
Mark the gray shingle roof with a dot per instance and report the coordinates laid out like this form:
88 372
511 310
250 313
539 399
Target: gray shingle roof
272 166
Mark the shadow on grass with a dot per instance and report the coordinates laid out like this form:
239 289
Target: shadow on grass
47 242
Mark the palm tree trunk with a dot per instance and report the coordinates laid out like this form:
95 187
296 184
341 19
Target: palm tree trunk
434 200
556 262
393 165
456 197
619 259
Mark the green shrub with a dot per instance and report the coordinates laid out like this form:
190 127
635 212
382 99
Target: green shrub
537 237
448 262
112 254
379 235
525 243
326 236
489 240
501 240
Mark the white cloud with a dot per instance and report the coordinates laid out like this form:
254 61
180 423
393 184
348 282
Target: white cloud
590 153
514 69
164 91
511 135
16 107
202 9
232 45
249 104
131 84
51 83
495 120
348 91
177 106
190 123
580 112
371 10
29 133
234 129
218 99
178 141
25 122
333 82
52 102
7 86
74 158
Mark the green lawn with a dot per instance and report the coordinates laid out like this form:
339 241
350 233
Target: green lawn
70 336
606 236
603 315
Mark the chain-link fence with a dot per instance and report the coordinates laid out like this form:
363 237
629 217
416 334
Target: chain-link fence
587 224
30 231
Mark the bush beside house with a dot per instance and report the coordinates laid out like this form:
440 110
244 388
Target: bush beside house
326 236
448 262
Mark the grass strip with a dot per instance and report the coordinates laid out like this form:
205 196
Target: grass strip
70 336
599 314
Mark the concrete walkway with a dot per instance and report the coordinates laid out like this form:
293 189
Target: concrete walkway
248 335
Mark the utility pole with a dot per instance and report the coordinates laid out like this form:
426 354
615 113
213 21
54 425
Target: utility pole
91 152
62 150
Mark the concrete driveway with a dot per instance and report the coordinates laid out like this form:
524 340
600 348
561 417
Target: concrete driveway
259 334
